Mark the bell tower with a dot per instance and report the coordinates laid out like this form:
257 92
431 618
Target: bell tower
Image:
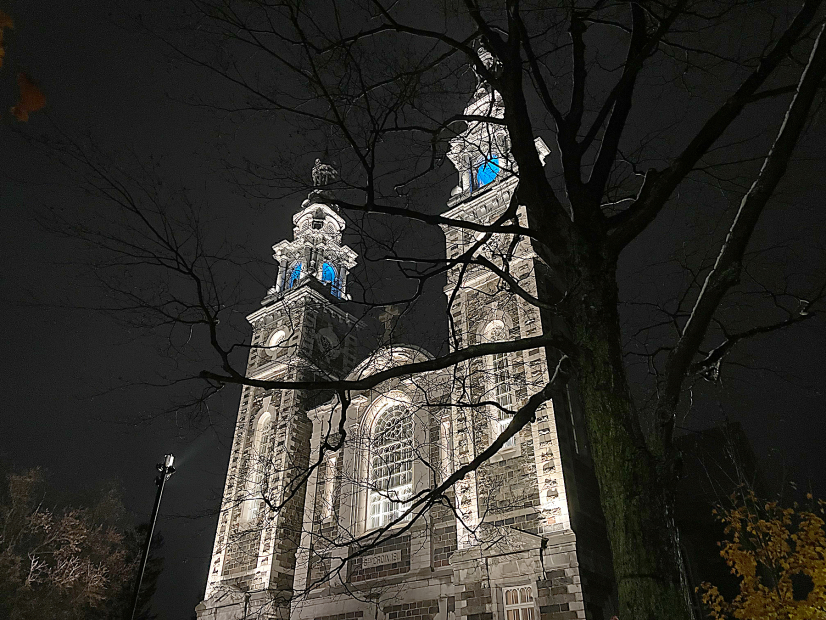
532 512
315 251
301 332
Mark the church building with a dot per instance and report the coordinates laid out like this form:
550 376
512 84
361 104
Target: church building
327 513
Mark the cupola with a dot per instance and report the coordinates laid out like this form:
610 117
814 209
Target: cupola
315 251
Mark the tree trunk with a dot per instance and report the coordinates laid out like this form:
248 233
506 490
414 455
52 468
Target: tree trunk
636 489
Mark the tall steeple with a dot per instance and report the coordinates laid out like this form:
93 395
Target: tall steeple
482 151
300 333
553 493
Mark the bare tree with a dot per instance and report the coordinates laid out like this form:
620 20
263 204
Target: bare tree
75 561
376 85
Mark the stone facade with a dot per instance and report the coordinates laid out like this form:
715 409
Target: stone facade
519 538
301 332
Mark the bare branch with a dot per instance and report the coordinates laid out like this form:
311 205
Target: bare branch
625 226
727 269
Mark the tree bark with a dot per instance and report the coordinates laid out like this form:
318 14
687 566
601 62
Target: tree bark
636 489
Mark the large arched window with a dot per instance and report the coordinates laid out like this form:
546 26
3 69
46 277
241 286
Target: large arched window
499 379
391 466
260 465
275 343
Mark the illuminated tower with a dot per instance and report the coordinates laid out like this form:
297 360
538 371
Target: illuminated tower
520 538
301 332
530 529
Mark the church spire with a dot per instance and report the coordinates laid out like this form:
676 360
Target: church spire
491 63
316 251
482 152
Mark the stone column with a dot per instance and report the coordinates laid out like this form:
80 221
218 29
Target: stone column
279 280
342 281
467 177
307 260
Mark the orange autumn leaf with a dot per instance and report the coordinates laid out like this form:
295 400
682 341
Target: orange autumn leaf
5 22
770 548
31 98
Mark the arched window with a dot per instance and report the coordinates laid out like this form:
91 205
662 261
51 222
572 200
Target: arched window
295 274
487 171
260 465
519 603
329 274
276 338
391 466
499 379
275 343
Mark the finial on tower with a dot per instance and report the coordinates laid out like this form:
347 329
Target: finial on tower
323 174
490 61
389 318
485 56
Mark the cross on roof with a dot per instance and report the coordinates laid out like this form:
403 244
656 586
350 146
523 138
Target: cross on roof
388 319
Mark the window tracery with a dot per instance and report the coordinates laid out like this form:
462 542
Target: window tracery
274 342
499 380
519 604
391 466
260 460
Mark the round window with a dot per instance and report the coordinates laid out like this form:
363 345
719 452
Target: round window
274 342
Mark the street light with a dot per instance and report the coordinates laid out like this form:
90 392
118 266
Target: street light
166 470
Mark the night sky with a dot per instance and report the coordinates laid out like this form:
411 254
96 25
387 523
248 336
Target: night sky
62 362
62 359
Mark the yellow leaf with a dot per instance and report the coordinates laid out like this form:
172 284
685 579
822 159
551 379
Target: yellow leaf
31 98
788 541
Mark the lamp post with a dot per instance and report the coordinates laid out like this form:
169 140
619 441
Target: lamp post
166 470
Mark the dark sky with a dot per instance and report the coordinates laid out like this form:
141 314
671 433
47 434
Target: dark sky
60 362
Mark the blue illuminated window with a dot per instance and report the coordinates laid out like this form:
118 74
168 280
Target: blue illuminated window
487 171
328 274
294 276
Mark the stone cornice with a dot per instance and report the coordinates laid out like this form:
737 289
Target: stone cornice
306 290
